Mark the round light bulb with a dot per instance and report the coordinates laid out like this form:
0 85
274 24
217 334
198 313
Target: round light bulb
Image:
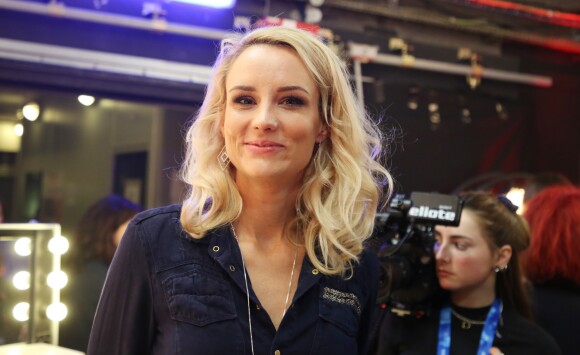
57 279
56 311
20 311
31 111
22 246
21 280
18 129
86 100
433 107
58 245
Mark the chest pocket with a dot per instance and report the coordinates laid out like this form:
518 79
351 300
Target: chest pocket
198 298
341 309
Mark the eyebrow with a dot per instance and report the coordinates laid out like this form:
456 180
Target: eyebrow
460 237
455 236
282 89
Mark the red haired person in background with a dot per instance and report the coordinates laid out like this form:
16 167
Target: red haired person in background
552 262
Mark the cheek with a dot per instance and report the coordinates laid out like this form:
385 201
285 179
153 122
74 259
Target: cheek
472 266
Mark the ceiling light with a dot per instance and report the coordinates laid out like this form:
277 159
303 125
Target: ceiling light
433 107
412 104
218 4
312 14
18 129
501 111
86 100
435 118
466 116
31 111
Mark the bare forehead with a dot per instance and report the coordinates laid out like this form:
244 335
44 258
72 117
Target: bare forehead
266 63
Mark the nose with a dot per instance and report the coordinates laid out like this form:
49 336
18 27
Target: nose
440 251
266 119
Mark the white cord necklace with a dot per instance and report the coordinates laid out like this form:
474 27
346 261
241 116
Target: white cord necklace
248 291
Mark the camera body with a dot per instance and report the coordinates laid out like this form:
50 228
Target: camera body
405 236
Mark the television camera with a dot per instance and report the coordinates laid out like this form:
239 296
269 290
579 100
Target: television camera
404 238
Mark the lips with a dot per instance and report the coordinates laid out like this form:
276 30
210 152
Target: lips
442 272
264 144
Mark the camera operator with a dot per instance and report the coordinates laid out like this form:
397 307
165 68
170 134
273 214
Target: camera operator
485 310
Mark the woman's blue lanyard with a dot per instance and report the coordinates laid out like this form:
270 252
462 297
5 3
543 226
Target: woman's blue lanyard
487 334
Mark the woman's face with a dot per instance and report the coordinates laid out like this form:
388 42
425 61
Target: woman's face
271 120
464 259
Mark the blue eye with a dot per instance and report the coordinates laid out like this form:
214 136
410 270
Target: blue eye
244 100
293 101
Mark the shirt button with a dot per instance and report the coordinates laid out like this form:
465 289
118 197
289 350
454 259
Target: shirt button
232 268
277 352
258 307
315 271
216 248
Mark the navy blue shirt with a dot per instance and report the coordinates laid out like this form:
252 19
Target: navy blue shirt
166 293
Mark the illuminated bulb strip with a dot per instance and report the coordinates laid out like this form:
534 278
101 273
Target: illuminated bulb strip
22 246
218 4
58 245
56 312
57 279
21 280
20 311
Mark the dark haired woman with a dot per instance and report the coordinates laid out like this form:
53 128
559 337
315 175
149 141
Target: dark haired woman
95 241
487 308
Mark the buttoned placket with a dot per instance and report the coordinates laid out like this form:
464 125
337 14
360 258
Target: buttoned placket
223 249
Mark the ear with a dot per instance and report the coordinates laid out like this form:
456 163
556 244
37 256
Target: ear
322 135
504 255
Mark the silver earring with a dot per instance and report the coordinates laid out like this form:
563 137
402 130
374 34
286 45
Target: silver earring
317 153
496 269
223 158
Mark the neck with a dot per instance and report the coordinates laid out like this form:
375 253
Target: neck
266 212
472 298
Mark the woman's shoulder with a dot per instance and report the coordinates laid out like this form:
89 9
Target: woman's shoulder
367 265
521 330
158 214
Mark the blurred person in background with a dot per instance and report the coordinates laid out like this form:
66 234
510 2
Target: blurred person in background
552 262
486 309
540 181
96 238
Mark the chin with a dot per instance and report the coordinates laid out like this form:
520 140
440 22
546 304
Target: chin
448 286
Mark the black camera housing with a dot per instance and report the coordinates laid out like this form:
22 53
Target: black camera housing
405 236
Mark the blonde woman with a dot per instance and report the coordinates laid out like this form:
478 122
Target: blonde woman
267 253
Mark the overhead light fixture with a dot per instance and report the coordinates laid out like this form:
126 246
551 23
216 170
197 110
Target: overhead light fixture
466 116
433 107
218 4
501 111
86 100
312 14
31 111
435 118
18 129
413 100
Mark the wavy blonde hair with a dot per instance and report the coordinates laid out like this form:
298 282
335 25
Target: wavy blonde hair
343 183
